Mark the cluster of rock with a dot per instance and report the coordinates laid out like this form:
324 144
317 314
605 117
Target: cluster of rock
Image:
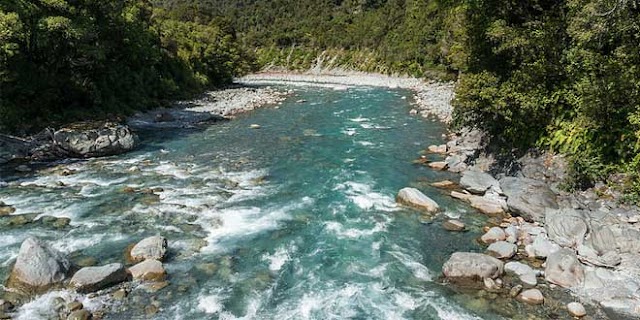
576 241
80 140
39 268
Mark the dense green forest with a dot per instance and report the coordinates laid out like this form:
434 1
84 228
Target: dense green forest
67 60
561 75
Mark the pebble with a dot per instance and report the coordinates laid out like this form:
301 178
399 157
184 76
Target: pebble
515 291
576 309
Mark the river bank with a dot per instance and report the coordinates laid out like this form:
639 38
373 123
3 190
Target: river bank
462 154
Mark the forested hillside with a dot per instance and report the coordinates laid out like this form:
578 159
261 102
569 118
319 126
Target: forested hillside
562 75
68 60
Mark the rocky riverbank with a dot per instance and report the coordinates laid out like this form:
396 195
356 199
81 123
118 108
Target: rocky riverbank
585 242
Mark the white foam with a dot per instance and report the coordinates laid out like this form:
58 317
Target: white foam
42 307
363 197
359 119
278 259
353 233
210 304
419 270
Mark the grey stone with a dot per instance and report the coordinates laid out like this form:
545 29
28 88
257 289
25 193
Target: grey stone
576 309
489 205
478 182
91 279
502 250
151 270
564 269
525 273
566 227
453 225
463 266
531 296
38 265
494 234
528 198
95 141
149 248
414 198
79 315
622 308
541 247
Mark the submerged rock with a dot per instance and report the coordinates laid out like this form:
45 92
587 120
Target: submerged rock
91 279
86 141
149 248
79 315
414 198
468 266
39 266
453 225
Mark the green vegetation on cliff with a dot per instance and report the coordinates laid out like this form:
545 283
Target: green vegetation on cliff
66 60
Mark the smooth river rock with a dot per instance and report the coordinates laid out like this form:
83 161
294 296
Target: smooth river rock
528 198
38 265
525 273
494 234
453 225
478 182
468 266
91 279
92 140
149 248
531 296
151 270
576 309
412 197
502 250
564 269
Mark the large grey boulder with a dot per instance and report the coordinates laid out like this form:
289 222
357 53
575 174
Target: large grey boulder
149 248
528 198
564 269
478 182
38 265
412 197
468 266
150 270
91 279
541 247
566 227
86 141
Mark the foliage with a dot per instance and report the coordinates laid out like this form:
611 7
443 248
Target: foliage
62 60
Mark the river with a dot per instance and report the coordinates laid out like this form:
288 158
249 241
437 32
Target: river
294 220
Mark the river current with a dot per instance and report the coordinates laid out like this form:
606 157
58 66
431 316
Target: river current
294 220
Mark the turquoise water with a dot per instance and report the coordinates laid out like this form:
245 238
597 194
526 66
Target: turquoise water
295 220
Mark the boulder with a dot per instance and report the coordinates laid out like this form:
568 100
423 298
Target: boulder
6 210
151 270
621 308
445 184
149 248
478 182
531 296
453 225
79 315
39 266
525 273
541 247
502 250
494 234
91 279
467 266
492 206
414 198
85 141
461 196
528 198
576 309
566 227
564 269
456 163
